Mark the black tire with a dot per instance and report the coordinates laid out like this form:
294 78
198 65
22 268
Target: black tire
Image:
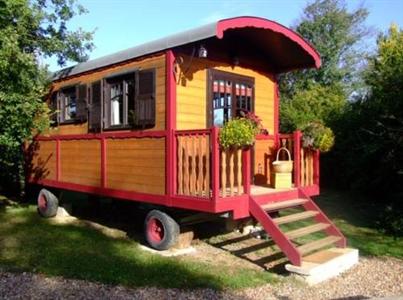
168 234
47 204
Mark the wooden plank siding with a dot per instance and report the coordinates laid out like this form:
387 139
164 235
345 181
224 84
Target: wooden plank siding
132 164
80 162
192 105
264 153
157 62
136 165
42 156
192 93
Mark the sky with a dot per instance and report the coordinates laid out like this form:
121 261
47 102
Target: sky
121 24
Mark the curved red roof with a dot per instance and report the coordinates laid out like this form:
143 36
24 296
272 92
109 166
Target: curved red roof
283 48
256 22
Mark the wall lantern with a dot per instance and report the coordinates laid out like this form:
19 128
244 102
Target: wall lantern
202 52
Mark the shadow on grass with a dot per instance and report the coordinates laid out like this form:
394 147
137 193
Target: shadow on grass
356 217
30 243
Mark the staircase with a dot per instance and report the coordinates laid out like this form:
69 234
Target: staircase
290 222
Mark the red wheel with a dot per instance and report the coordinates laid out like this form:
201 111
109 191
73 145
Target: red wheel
161 231
155 230
42 202
47 204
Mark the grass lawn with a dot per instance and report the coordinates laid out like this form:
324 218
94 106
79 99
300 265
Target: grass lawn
355 217
31 243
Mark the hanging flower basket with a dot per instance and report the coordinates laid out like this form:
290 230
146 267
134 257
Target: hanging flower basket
283 166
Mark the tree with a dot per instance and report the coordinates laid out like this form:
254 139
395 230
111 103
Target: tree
370 152
321 96
337 34
30 30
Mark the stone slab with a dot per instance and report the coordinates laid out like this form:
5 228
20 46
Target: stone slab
325 264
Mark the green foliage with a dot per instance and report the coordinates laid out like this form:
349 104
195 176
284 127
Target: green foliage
337 35
370 153
314 103
30 30
318 136
321 95
238 132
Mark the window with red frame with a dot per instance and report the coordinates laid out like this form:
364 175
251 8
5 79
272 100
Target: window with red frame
229 95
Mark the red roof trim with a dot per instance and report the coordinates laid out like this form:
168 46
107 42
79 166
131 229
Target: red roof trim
242 22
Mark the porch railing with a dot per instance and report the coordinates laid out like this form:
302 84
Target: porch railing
204 170
306 160
193 163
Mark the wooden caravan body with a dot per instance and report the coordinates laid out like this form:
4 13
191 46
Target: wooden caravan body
163 149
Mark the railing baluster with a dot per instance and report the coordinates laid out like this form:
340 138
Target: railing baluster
231 171
200 166
186 166
180 166
207 166
239 170
193 167
310 167
224 173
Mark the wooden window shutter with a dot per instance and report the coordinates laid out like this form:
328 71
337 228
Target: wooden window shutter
54 108
82 111
145 99
95 108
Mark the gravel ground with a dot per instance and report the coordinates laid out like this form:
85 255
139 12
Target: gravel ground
372 277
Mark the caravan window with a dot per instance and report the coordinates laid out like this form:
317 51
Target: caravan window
130 100
119 101
68 104
230 95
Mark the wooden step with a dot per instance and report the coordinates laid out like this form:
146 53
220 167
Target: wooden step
283 204
318 244
293 234
295 217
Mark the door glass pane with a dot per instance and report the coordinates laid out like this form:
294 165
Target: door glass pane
219 117
231 98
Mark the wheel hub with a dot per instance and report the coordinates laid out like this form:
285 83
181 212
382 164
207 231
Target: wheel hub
155 230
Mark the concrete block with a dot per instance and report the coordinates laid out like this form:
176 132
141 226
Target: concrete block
325 264
62 212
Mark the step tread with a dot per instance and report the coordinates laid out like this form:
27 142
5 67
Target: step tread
295 217
283 204
293 234
318 244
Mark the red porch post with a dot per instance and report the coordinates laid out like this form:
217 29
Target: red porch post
297 158
170 127
246 170
215 164
316 169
